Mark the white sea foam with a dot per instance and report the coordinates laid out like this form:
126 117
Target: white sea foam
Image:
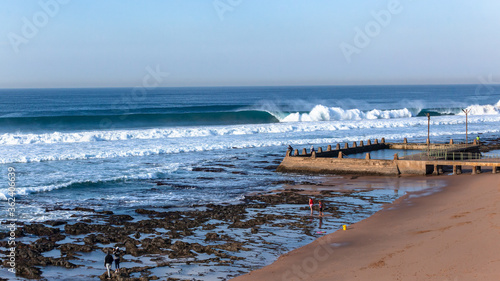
323 113
110 150
484 109
8 139
150 175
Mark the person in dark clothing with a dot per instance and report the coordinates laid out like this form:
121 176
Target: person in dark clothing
290 150
108 262
116 255
321 207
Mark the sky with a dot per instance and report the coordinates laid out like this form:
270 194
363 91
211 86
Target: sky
128 43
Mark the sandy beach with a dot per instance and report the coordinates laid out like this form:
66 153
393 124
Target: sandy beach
448 235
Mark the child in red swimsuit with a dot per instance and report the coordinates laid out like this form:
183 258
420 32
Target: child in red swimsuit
311 205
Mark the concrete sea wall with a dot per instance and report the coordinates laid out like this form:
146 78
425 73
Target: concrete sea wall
334 161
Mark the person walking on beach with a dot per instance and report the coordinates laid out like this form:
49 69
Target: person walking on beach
311 203
477 139
321 206
108 262
312 148
116 255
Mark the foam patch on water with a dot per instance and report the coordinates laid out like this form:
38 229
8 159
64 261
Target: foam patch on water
290 126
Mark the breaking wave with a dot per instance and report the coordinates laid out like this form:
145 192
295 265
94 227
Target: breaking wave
323 113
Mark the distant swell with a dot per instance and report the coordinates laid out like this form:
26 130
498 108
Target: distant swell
138 120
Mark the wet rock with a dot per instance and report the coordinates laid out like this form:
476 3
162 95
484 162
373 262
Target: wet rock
77 228
62 262
271 168
55 222
154 246
145 212
93 239
201 249
57 208
131 247
40 230
181 249
208 227
211 236
226 165
43 245
208 170
57 237
281 198
232 247
28 272
227 213
71 248
152 213
174 234
239 173
81 209
255 221
287 182
119 219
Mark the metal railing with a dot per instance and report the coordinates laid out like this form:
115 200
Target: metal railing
453 156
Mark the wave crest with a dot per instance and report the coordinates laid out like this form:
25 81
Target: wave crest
483 109
323 113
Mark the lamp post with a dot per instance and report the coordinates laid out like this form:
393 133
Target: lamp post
466 111
428 132
428 128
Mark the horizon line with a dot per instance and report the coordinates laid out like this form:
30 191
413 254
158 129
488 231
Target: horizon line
250 86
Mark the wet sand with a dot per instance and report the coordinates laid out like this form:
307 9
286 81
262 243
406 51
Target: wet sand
449 235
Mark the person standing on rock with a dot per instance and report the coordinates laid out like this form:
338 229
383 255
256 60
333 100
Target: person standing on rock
116 255
311 203
321 206
108 262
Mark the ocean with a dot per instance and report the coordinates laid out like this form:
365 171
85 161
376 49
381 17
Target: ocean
120 149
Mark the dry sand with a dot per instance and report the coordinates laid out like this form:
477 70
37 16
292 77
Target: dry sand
451 235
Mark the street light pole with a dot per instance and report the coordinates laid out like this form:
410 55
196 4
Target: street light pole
466 111
428 128
428 131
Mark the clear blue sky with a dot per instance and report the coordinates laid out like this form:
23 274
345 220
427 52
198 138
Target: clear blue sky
96 43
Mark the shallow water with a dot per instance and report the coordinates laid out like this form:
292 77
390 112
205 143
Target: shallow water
355 200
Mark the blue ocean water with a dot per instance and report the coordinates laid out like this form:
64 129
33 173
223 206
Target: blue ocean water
121 149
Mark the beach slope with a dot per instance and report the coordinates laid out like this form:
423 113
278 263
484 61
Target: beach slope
451 235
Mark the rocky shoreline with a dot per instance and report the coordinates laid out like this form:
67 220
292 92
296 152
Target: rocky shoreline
164 236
